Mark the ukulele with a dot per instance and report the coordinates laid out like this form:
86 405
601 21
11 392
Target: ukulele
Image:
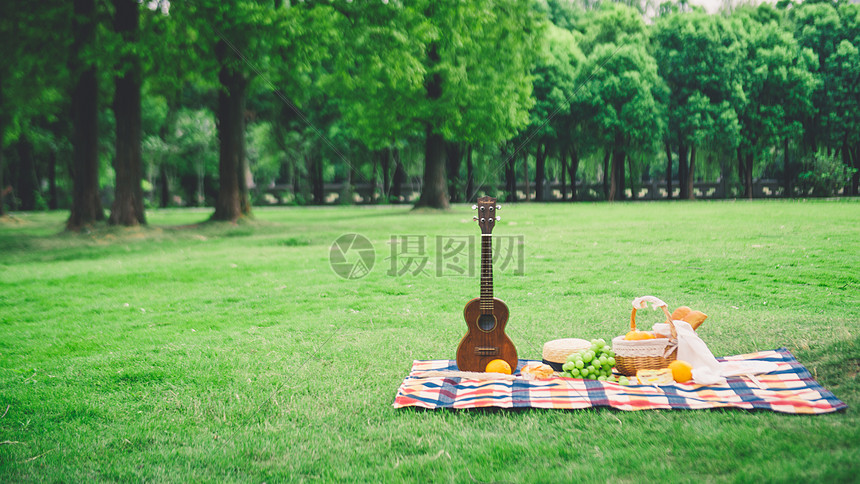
486 315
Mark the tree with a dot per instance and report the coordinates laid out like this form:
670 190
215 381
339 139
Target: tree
842 76
458 72
478 88
236 41
86 203
697 55
35 40
776 77
620 86
551 117
817 27
127 208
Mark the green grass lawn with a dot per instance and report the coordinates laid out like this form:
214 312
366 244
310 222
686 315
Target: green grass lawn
216 353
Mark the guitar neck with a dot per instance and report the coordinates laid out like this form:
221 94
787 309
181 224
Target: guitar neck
486 274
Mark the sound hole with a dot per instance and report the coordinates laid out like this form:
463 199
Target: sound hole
487 322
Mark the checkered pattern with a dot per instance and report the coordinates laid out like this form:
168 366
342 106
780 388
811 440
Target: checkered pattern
789 389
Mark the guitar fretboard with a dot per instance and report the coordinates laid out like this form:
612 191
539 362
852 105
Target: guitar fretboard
486 274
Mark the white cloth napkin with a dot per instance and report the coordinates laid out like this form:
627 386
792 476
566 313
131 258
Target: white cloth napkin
706 369
691 348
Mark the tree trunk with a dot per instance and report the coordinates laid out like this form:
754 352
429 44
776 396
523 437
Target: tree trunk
855 179
470 176
630 176
540 172
315 171
453 160
691 193
745 172
53 199
528 189
607 155
86 204
562 157
347 195
572 168
232 202
434 191
749 177
846 160
374 182
682 171
668 171
385 166
127 206
163 187
27 182
510 176
615 175
297 183
399 176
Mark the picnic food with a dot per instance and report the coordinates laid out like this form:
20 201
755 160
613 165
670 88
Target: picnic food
537 371
662 376
632 355
681 371
637 335
498 366
695 318
594 363
634 334
679 313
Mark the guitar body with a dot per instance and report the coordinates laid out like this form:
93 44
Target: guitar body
485 339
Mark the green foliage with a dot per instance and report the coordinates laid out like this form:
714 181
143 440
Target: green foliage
777 83
33 82
335 83
265 156
825 175
620 85
478 53
554 84
843 75
698 57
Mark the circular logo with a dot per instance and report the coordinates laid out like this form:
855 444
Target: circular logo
351 256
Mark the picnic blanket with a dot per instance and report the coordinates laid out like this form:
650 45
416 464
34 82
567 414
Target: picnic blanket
789 389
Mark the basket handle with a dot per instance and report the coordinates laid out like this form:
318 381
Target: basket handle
642 303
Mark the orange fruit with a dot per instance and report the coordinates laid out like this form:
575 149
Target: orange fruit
638 335
498 366
681 371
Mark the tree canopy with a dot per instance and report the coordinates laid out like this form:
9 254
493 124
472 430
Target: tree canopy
229 104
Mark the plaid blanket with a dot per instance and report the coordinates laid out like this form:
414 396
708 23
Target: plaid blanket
789 389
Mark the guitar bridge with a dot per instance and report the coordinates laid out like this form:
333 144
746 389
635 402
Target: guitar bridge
487 350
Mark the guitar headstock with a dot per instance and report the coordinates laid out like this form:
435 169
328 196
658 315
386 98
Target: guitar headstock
486 217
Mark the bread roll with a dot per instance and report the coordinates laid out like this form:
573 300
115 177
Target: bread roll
695 318
681 312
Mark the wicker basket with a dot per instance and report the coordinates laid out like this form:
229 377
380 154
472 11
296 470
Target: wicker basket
648 354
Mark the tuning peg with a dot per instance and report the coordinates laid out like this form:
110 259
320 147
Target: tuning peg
498 207
498 217
475 218
474 207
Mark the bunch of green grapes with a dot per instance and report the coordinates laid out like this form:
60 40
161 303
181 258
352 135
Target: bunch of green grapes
595 363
